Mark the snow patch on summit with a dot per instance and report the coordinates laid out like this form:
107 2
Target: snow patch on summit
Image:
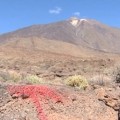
75 21
83 20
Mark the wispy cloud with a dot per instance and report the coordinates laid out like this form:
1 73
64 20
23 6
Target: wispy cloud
56 10
77 13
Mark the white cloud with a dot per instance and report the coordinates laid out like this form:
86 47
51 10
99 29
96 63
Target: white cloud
57 10
77 13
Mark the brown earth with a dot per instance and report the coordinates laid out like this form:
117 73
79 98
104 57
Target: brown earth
96 103
77 105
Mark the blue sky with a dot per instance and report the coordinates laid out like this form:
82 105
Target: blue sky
15 14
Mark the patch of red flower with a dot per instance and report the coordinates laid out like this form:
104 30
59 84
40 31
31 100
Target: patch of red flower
34 92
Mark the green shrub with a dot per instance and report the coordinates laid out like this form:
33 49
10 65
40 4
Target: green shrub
77 81
33 79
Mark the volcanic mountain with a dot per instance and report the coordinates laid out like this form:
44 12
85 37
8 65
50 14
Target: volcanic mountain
72 36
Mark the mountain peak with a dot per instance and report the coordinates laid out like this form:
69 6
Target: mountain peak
78 31
76 21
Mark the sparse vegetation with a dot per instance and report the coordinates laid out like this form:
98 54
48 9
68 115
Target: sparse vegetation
117 74
33 79
114 72
101 80
10 76
14 76
77 81
118 78
4 76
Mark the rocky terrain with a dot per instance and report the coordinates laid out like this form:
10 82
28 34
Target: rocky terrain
100 100
36 64
93 104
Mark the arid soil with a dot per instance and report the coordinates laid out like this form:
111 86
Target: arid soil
92 104
100 100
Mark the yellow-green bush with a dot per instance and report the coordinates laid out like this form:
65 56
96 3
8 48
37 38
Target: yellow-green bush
33 79
77 81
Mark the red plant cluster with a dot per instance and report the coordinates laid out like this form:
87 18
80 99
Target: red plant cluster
34 92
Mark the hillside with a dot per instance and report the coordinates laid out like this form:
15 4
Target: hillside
76 33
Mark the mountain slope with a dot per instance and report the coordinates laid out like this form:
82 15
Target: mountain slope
83 33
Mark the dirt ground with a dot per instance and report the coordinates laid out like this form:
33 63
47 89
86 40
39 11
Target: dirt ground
92 104
97 102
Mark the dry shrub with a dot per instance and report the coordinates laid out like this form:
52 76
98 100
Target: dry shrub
10 76
33 79
77 81
14 76
4 76
101 80
114 72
